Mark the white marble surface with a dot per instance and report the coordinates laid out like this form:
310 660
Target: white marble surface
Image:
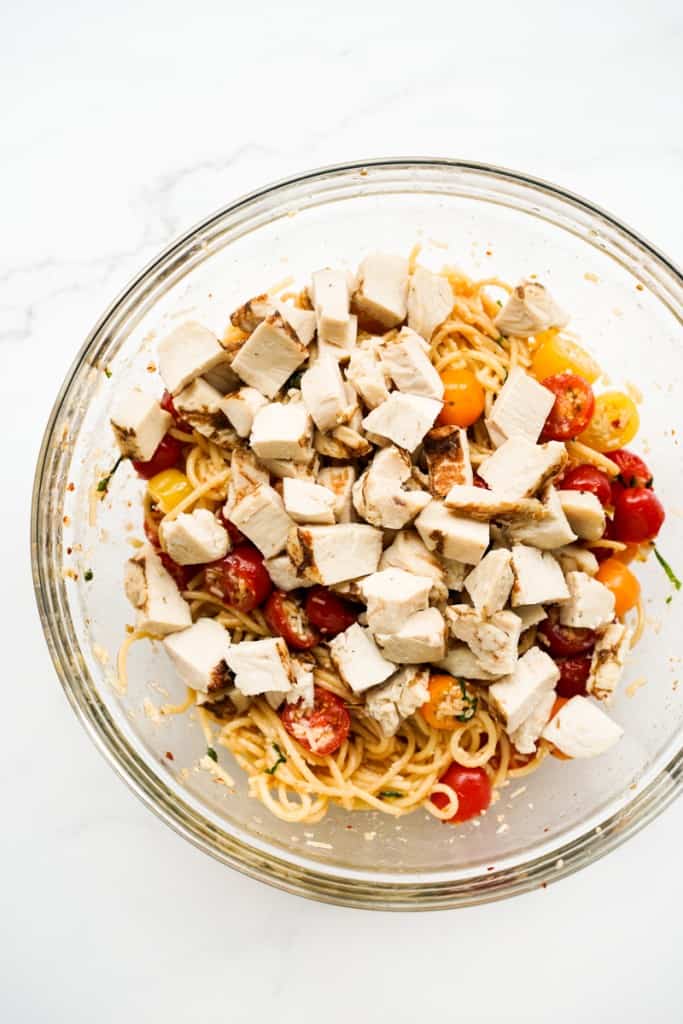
122 124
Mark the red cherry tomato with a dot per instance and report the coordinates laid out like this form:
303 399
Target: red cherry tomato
182 574
573 408
574 674
240 579
168 405
633 472
329 612
638 515
286 617
590 479
235 534
473 789
565 641
166 456
321 729
479 482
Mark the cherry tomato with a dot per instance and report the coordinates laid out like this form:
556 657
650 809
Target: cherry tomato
321 729
479 482
574 674
638 514
151 528
240 579
633 472
286 617
615 422
463 398
473 789
329 612
182 574
449 703
168 488
618 578
166 456
590 479
565 641
235 534
556 354
168 405
573 408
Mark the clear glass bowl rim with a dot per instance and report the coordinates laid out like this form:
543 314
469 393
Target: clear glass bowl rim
340 886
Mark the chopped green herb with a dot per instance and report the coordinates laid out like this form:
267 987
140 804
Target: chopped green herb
103 485
210 752
669 599
280 760
673 578
499 303
107 372
470 708
88 575
390 793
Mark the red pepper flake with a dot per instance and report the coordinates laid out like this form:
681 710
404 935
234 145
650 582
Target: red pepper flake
71 487
69 551
169 756
151 368
66 520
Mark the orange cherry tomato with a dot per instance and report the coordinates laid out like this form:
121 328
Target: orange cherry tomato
618 578
614 423
463 398
556 354
630 552
449 704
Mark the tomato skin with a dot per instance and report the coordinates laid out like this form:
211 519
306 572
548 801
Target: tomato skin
473 789
574 674
168 405
615 422
632 470
166 456
328 717
618 578
240 579
573 408
329 612
589 479
565 641
463 398
285 617
638 515
555 354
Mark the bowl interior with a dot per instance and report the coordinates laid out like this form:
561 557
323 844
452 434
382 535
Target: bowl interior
625 306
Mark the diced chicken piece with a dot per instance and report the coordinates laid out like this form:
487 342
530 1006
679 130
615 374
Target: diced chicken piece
330 294
430 301
188 352
452 536
366 373
261 666
350 443
302 321
307 502
302 689
421 638
194 538
493 641
520 410
331 554
339 480
447 451
261 517
538 577
526 736
285 468
270 355
529 310
549 532
489 584
530 614
608 661
478 503
392 596
248 316
358 659
150 589
228 700
246 473
199 654
403 419
409 366
322 390
139 424
516 695
381 291
574 558
581 729
409 552
341 350
284 574
585 514
461 663
398 698
379 495
519 468
241 406
591 604
351 589
201 405
282 432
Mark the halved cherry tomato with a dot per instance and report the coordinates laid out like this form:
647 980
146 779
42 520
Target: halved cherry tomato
240 579
463 398
166 456
168 405
633 472
182 574
615 422
565 641
321 729
573 408
574 674
638 514
286 617
618 578
329 612
449 703
472 787
557 706
557 354
589 479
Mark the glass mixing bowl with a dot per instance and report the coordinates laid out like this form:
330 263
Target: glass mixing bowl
626 302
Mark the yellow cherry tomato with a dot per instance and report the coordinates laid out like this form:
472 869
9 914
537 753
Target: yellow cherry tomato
556 354
463 398
168 489
614 423
449 704
618 578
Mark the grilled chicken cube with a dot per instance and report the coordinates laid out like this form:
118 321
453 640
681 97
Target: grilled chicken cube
516 695
330 294
519 468
581 729
403 419
379 496
186 353
550 531
529 310
322 390
139 424
410 367
392 596
585 514
398 698
153 592
526 736
590 604
574 558
282 432
194 538
382 289
493 640
520 409
422 637
261 666
447 452
307 502
241 406
489 583
430 301
201 405
270 355
461 663
358 659
261 517
608 659
366 373
332 554
407 551
339 480
478 503
538 577
199 654
284 573
451 535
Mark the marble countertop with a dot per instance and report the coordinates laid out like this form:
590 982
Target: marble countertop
123 124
